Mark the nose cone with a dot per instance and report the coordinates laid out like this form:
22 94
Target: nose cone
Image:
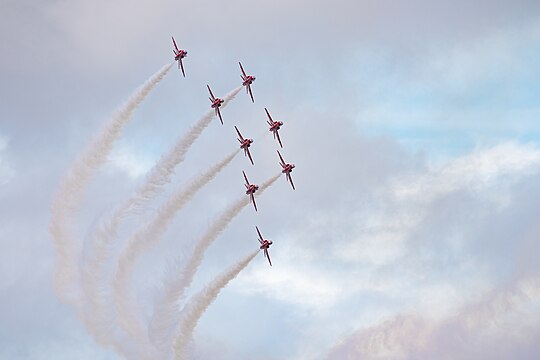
292 166
270 242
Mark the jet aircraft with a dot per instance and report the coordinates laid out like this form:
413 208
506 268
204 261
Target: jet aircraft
179 54
247 80
274 127
244 144
265 244
287 169
216 103
250 190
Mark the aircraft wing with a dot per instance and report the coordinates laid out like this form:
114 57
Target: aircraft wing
268 256
278 139
250 93
281 158
260 236
174 43
290 179
220 118
245 177
253 199
249 155
238 132
241 68
267 113
181 66
211 95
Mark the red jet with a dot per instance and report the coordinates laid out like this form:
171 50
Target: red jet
216 103
178 56
287 169
247 81
244 144
250 190
274 127
265 244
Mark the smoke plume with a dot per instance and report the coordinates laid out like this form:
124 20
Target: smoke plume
165 309
197 306
94 269
71 192
148 236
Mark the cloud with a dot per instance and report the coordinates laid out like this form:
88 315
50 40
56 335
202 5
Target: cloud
416 242
375 227
129 161
306 288
496 327
6 171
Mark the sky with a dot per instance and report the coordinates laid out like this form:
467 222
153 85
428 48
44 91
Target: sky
412 232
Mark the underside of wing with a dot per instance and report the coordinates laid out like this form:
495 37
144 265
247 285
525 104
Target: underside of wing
219 114
278 139
281 158
254 203
174 43
238 132
212 98
260 235
268 256
268 114
290 179
241 68
250 93
249 155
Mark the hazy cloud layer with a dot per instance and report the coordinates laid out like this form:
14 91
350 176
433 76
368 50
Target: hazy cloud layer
414 133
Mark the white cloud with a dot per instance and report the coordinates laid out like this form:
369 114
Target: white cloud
401 207
6 172
477 330
129 161
308 288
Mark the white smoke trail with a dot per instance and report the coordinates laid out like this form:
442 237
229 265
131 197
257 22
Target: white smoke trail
71 191
149 236
165 314
161 173
94 268
197 306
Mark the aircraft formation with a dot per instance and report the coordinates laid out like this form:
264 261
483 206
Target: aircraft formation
245 143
